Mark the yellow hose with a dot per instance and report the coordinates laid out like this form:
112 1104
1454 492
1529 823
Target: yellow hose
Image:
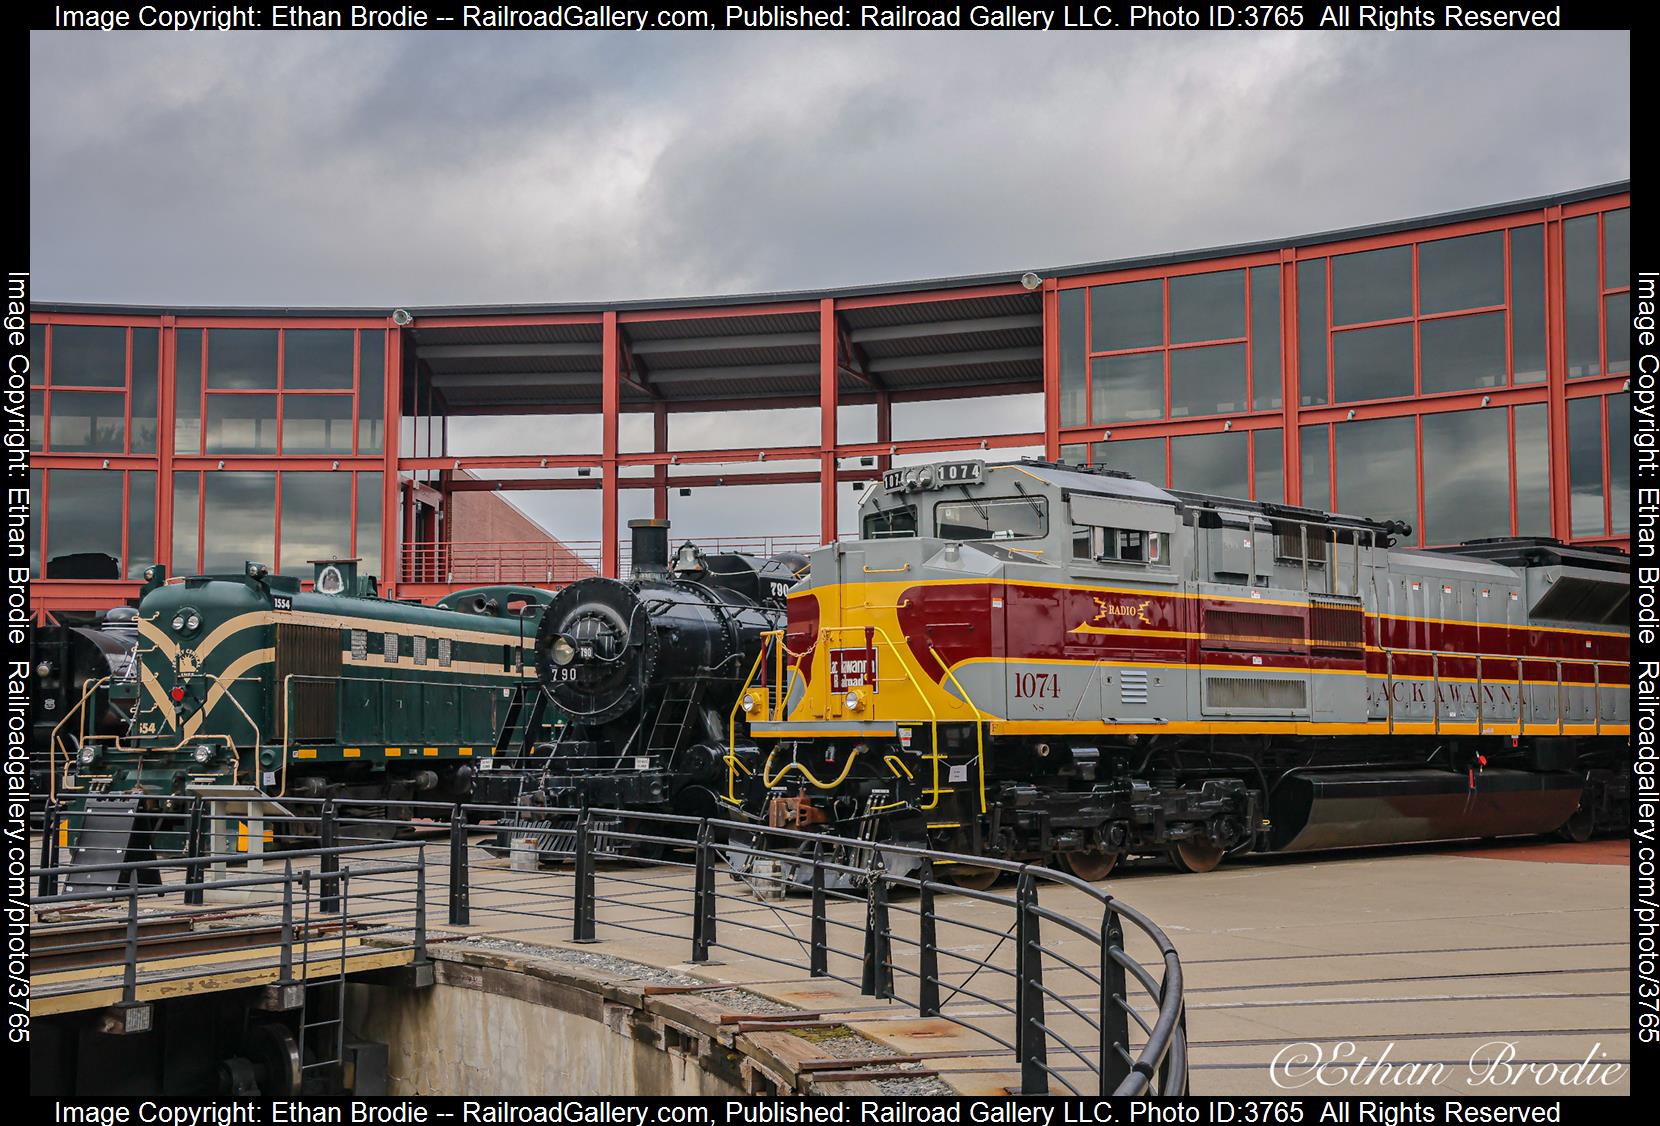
770 779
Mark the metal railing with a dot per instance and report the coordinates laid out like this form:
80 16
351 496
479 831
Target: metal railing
1043 971
550 562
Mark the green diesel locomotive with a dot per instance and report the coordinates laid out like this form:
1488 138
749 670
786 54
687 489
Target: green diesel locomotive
251 683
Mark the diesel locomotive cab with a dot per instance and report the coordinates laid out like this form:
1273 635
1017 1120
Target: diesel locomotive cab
1044 662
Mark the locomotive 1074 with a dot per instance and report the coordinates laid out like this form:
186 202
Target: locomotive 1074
1043 662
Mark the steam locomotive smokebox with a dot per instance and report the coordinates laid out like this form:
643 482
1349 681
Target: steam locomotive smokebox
1345 809
650 547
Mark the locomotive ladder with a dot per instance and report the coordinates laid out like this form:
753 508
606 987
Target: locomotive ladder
524 716
668 729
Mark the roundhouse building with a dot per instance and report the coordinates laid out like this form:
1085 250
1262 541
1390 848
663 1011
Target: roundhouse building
1465 372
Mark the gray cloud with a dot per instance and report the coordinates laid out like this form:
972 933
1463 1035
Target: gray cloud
393 169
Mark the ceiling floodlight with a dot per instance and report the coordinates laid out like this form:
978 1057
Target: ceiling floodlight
1030 280
401 317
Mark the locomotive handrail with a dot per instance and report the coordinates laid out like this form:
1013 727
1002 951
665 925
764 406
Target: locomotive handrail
52 775
224 694
979 725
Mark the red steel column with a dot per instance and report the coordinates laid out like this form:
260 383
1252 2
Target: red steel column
827 401
391 514
1556 379
884 428
1051 370
610 407
166 412
1291 445
660 473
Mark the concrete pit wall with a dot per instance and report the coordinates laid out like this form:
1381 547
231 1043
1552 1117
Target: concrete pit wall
510 1024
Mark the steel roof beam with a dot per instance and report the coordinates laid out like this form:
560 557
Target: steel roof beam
719 343
946 328
957 359
507 351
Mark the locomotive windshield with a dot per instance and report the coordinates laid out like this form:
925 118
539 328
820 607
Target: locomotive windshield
891 523
995 518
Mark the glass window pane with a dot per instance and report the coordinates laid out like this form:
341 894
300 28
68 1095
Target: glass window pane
368 523
1011 518
1584 300
1265 338
37 354
1462 353
1207 307
1207 380
1315 454
1128 387
316 520
371 383
146 365
242 424
1377 469
1532 471
1585 466
1619 463
317 359
242 359
93 421
37 514
141 521
83 524
1129 315
1074 409
1142 458
187 384
239 513
1375 285
1618 320
316 424
186 488
1311 331
89 356
1210 463
1461 273
1269 474
1372 363
1466 475
1527 304
1075 454
37 419
1616 248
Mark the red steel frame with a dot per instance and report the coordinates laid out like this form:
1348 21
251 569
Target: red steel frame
400 492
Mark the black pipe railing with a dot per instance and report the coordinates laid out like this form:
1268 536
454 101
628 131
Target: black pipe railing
1087 1015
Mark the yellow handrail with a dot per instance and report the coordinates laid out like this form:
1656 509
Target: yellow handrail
979 726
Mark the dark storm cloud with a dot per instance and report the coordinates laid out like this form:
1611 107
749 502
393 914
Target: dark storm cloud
435 168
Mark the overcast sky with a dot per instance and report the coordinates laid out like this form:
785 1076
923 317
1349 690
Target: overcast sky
428 168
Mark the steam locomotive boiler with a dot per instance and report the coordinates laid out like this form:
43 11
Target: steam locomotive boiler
644 674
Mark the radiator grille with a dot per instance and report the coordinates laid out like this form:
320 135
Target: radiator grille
1255 692
1336 626
1249 629
311 655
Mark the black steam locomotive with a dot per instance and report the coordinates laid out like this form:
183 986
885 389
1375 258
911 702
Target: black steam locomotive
645 674
90 656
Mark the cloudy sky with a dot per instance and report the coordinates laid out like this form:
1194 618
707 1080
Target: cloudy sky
424 168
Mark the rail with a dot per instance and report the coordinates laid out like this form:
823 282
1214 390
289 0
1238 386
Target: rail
1072 988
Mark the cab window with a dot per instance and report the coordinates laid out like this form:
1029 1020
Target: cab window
890 523
1120 545
995 518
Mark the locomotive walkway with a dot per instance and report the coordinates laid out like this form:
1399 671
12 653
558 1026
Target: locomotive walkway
1393 967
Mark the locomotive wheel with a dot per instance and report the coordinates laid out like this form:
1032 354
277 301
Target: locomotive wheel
969 877
1196 856
1089 866
1577 828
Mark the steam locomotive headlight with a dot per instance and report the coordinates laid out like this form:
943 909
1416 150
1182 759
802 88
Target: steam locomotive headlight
853 701
562 651
747 703
178 622
204 753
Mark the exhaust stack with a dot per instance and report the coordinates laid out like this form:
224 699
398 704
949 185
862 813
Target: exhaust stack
650 547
